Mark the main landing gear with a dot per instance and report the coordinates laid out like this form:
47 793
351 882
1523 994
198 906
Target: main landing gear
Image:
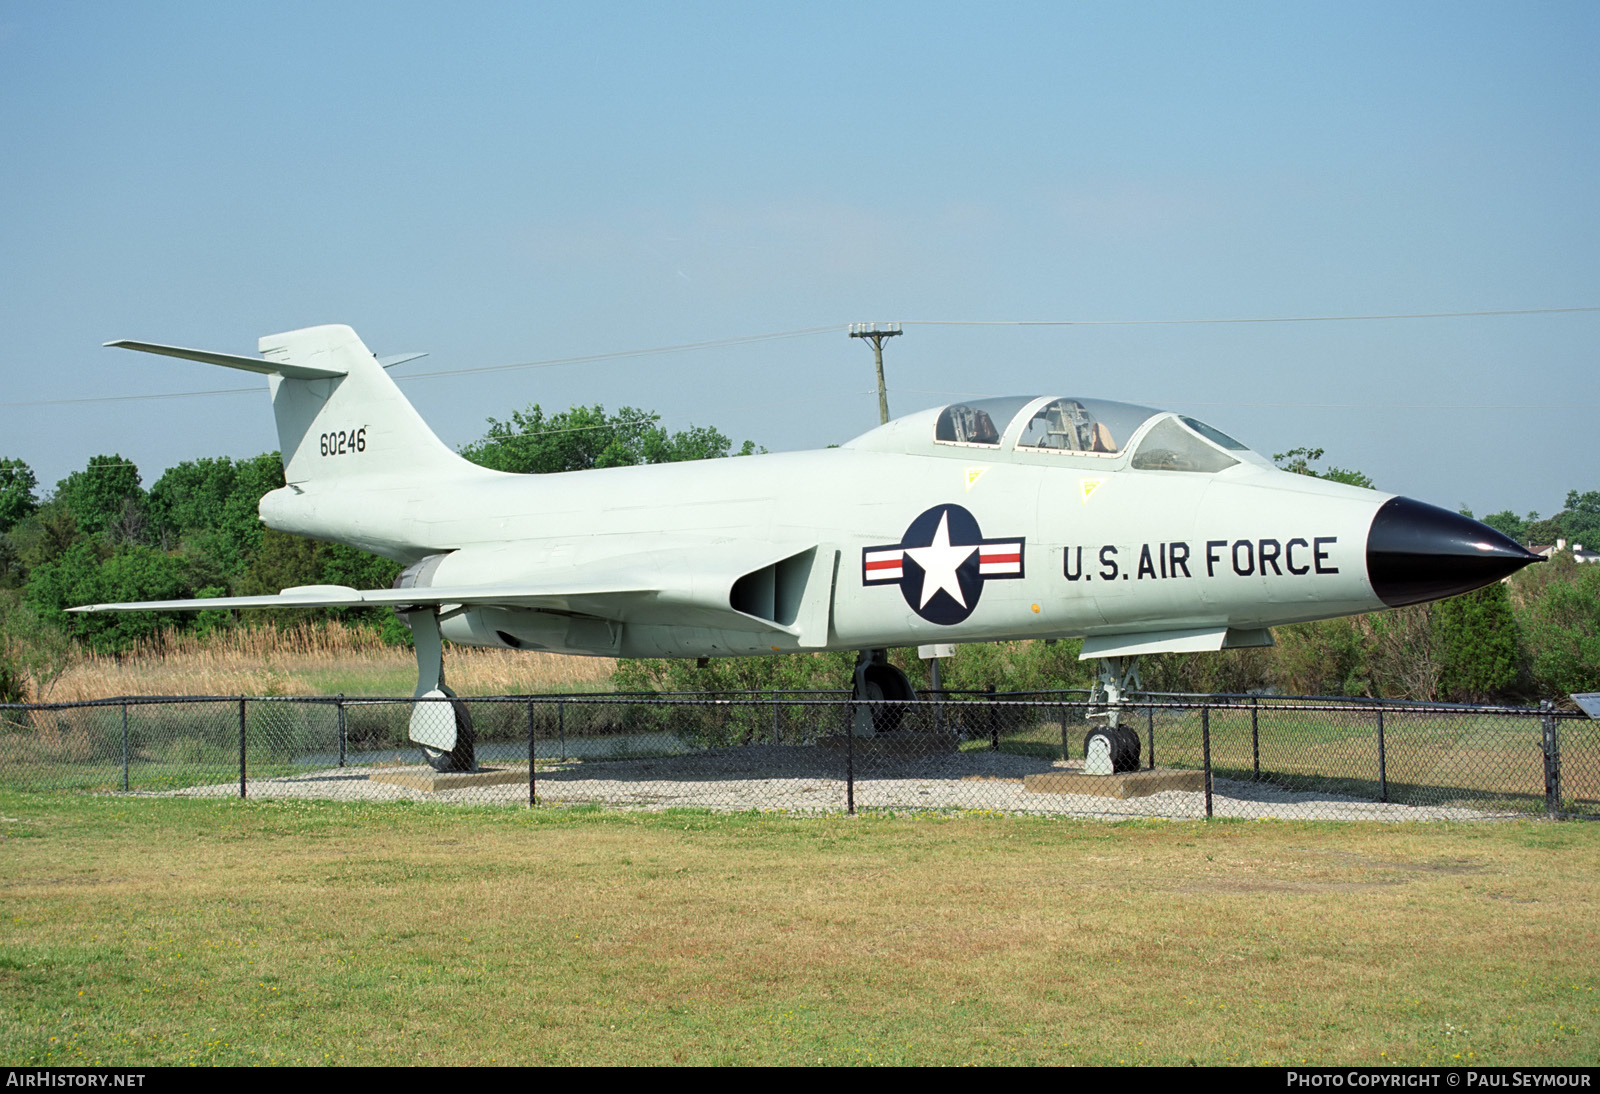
881 690
1114 747
440 723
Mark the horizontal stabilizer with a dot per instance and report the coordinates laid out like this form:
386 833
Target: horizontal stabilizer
230 360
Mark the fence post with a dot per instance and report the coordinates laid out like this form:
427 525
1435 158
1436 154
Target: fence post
1150 732
1064 756
994 720
241 747
561 727
850 761
776 736
1552 760
1383 762
1205 752
532 795
124 744
1255 739
338 705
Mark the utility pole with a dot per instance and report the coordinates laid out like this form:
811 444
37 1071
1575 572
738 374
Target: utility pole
871 332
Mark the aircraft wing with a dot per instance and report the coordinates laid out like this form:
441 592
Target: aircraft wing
545 597
730 586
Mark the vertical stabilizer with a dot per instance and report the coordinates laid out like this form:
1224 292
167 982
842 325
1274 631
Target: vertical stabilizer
352 424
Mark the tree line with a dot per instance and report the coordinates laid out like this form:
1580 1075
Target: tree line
101 536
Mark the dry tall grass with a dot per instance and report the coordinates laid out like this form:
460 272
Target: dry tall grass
309 659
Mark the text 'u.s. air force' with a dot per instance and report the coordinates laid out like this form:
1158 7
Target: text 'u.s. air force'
1175 559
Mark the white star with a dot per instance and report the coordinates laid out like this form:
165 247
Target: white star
939 562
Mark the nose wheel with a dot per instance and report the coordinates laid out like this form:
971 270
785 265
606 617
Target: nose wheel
1110 750
1113 748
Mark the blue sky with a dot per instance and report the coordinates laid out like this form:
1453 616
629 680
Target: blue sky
504 183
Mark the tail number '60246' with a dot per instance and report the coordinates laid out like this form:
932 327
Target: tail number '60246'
344 441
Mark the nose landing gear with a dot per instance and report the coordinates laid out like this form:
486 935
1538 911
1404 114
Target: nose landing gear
1114 747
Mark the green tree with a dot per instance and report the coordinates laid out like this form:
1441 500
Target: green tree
45 535
1544 532
1581 522
105 498
1298 461
1325 657
18 490
80 576
1007 666
1476 635
1509 524
829 671
210 506
33 652
285 561
1561 626
532 443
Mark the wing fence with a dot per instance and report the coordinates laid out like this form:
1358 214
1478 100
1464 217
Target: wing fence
1199 756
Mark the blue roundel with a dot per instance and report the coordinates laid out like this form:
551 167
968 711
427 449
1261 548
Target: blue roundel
941 564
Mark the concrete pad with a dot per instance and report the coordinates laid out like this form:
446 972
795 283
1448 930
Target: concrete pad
1129 784
431 781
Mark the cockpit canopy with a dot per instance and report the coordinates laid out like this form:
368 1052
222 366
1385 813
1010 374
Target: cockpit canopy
1095 428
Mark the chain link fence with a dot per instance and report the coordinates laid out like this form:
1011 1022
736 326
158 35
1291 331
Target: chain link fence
1199 756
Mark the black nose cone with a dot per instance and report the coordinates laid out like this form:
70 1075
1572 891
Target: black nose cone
1418 552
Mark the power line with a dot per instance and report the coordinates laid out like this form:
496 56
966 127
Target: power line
808 331
550 363
1291 406
1263 319
1404 406
714 343
136 398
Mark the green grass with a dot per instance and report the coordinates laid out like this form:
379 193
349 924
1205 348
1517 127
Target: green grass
139 931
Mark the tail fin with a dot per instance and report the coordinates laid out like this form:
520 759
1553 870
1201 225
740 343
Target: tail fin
353 423
339 415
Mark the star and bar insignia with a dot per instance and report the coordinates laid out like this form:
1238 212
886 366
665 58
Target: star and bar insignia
941 564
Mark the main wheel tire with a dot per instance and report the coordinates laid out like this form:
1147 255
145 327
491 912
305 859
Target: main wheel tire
887 689
463 757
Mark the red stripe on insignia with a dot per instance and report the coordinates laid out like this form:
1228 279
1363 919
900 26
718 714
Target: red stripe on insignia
885 564
989 559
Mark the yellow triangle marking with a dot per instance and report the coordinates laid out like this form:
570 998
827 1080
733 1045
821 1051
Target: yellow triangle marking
973 474
1088 487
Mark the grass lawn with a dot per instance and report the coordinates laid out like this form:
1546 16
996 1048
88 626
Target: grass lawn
141 931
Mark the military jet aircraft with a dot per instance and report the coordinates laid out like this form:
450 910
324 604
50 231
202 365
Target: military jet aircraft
1139 530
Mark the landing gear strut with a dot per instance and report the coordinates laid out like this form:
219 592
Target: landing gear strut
442 728
1113 748
881 690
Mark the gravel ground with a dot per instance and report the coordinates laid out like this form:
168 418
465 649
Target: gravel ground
803 780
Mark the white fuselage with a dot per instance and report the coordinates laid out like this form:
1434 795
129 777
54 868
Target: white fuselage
1105 549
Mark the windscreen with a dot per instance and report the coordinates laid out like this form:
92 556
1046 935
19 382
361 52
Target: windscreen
1169 446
